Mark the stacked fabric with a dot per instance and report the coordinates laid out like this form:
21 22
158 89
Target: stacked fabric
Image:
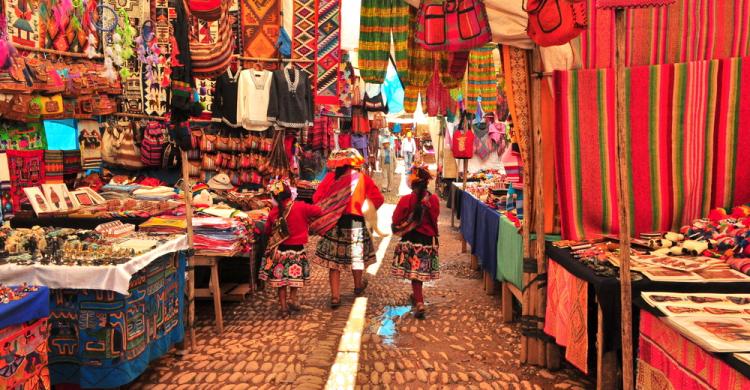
166 224
219 235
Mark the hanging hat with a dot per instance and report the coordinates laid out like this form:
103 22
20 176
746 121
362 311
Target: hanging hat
345 157
220 182
419 173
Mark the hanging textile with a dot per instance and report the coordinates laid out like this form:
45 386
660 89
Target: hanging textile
421 65
381 21
439 101
731 176
53 160
303 33
482 79
515 69
261 22
668 34
328 56
26 170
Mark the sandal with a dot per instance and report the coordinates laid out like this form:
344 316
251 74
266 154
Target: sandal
419 311
335 303
360 291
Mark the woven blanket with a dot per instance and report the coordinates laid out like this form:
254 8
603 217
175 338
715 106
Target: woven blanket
731 176
566 317
682 150
328 56
261 22
26 170
688 30
303 35
482 80
666 359
53 160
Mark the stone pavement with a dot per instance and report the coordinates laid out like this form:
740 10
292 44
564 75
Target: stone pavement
462 343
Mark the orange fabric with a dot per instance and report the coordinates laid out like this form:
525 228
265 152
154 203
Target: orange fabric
508 87
548 157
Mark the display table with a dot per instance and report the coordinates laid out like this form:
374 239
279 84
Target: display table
583 309
23 341
103 335
667 359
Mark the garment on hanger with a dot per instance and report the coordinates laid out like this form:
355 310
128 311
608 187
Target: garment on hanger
224 101
374 103
253 96
291 103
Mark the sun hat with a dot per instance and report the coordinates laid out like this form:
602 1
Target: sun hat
220 182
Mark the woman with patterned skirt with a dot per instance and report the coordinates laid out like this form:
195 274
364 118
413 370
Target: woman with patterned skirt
346 243
415 220
286 262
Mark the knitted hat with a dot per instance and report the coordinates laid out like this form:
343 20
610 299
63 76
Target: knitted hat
345 157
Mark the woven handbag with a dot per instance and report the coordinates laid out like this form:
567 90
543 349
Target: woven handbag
452 25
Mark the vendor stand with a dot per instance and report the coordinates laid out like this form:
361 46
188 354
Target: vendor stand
23 337
108 321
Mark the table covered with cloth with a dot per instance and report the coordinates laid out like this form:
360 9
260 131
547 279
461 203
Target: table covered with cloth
667 359
23 341
479 227
573 290
510 265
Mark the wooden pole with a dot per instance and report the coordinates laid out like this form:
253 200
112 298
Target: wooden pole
56 52
187 192
623 204
466 174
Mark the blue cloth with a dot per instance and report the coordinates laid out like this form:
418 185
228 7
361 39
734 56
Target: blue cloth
468 217
61 134
485 237
393 90
102 339
33 306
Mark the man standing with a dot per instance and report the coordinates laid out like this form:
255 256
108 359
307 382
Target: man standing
408 147
387 163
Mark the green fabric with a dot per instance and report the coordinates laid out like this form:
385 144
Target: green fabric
510 252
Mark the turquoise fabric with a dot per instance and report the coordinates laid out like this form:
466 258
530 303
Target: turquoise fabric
510 252
61 134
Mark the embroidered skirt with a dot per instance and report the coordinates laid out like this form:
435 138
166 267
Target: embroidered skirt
287 266
348 246
416 261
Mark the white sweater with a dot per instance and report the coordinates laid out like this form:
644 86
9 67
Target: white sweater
253 91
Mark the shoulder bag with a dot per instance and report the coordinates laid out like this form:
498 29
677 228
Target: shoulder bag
452 25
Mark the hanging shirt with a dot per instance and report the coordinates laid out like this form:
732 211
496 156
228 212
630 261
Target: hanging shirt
224 100
291 103
253 97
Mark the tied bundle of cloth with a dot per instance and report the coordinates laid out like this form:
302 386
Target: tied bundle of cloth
723 235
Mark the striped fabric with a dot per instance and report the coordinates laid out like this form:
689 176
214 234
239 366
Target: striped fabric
685 124
420 69
689 30
731 176
482 79
379 21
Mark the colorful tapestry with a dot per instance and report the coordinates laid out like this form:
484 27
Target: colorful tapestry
23 349
676 155
731 175
102 339
689 30
667 360
421 66
261 22
328 55
303 35
566 317
515 69
482 80
26 170
380 22
54 168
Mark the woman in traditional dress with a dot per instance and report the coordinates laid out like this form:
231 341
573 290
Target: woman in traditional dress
286 262
346 243
416 221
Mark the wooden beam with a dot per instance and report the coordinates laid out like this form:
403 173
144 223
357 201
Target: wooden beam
623 203
187 192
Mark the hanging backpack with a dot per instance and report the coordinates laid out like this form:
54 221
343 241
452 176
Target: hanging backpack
152 146
452 25
208 10
463 144
555 22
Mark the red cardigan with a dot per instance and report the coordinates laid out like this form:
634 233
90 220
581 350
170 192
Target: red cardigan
371 192
406 204
297 220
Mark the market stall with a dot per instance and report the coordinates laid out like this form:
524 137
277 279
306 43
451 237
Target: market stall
23 336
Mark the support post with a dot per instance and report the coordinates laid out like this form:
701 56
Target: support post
623 203
466 174
187 192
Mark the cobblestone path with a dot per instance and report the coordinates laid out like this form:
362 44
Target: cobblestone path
462 343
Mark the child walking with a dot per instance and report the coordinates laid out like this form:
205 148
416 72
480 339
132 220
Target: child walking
415 220
286 258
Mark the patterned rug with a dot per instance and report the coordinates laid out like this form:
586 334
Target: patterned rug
26 170
669 34
566 317
303 35
328 56
261 21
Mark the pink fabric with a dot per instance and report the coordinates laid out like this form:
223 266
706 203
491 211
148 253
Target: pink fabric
632 3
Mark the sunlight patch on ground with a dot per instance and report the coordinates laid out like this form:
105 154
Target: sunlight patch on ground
384 223
343 374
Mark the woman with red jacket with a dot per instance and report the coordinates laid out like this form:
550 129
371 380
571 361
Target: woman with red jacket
415 219
286 262
346 243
